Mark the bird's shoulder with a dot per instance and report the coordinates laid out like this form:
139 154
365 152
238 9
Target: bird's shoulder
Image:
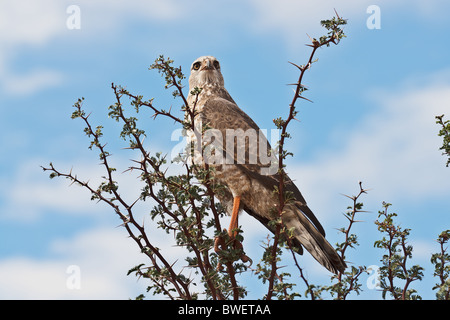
222 113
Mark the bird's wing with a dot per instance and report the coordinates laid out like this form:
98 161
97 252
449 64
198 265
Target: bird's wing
222 114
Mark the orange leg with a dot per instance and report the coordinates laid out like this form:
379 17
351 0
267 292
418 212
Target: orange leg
232 229
234 217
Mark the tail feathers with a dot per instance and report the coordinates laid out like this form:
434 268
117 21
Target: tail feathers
313 240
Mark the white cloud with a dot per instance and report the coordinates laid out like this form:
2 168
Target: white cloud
292 19
31 22
393 151
423 249
118 11
102 255
28 24
30 193
32 82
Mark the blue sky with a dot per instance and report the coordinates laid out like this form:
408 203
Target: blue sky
375 98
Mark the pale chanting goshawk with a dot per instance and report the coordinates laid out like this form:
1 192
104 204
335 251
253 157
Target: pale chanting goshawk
249 182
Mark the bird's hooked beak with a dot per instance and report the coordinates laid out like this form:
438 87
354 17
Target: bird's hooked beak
207 66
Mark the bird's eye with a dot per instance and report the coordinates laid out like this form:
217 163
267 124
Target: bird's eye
196 66
216 64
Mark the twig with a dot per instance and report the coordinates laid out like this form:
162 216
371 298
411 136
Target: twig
333 37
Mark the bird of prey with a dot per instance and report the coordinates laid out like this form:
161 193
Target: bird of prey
237 162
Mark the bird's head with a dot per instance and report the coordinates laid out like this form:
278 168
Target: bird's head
205 71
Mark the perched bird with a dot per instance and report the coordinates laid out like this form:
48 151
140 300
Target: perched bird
238 153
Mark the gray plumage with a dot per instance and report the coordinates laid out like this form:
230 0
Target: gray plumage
216 110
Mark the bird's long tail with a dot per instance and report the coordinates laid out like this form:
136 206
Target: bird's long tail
306 234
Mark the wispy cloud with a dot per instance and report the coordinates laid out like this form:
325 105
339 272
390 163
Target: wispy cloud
29 193
393 150
102 257
31 82
27 25
291 19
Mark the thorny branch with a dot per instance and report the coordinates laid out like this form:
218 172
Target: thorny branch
334 35
347 281
182 202
109 186
394 262
185 202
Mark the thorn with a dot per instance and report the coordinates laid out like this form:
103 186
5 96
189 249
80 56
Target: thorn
132 205
304 98
123 224
337 14
129 169
348 218
125 219
350 197
297 84
300 68
174 264
129 148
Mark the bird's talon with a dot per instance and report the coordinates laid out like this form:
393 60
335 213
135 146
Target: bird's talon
217 241
219 267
